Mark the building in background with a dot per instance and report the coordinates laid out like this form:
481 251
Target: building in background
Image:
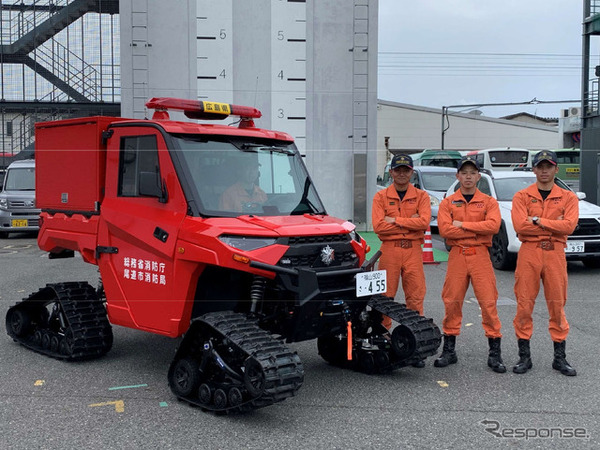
569 128
58 58
531 118
403 128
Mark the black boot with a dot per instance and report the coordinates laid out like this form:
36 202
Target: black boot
419 364
560 362
448 355
524 363
494 358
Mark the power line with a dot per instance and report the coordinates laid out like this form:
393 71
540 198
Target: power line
479 64
482 54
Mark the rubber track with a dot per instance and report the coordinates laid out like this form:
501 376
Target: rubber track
86 318
427 335
284 372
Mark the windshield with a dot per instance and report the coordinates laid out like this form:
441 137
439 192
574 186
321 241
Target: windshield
508 157
567 157
441 162
230 177
20 179
437 181
506 188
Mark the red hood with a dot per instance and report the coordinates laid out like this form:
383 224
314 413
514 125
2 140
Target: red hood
302 225
203 235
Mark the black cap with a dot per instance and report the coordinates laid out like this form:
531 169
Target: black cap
545 155
469 159
401 160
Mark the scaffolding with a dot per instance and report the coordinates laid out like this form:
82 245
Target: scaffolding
58 59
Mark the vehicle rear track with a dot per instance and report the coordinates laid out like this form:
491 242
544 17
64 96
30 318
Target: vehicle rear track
64 321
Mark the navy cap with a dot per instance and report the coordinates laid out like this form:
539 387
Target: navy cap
401 160
469 159
545 155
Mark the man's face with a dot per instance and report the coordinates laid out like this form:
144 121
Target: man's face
468 176
401 175
250 173
545 172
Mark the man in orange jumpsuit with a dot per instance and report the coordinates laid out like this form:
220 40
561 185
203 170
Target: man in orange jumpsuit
245 194
467 220
401 214
543 216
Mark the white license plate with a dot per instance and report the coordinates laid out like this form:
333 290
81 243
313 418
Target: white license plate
371 283
575 247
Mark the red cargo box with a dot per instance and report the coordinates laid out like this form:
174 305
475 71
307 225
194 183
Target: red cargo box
71 163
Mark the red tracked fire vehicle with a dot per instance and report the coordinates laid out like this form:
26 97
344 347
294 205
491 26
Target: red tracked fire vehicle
212 232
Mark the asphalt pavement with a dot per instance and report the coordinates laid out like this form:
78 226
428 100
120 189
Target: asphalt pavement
122 400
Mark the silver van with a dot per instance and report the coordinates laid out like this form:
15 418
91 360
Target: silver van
17 199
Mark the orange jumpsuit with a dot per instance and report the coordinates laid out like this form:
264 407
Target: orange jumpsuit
401 242
469 259
542 255
235 196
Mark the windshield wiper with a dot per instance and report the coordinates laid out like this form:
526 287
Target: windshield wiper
305 205
267 148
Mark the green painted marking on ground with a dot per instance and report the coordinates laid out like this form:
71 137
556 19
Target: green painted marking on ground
163 404
127 387
375 243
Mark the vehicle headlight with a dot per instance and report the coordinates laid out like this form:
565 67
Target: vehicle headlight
3 203
433 200
246 243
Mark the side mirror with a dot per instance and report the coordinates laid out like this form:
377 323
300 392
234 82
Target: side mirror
580 195
150 186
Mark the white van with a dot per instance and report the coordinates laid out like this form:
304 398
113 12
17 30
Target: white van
17 199
506 158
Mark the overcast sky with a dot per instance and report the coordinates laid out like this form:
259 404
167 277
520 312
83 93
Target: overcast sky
452 52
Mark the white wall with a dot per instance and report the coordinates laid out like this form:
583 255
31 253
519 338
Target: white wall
157 52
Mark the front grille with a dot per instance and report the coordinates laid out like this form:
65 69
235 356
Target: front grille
311 259
299 240
17 203
587 227
305 251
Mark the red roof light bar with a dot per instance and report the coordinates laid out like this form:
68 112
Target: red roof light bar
196 109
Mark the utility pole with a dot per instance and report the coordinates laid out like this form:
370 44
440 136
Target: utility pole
533 101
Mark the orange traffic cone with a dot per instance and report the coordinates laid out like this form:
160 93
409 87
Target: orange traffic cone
428 249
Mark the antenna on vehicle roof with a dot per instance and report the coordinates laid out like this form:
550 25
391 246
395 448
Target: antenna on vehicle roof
255 91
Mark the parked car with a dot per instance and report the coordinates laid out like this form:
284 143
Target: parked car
435 181
583 245
506 158
17 199
440 158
